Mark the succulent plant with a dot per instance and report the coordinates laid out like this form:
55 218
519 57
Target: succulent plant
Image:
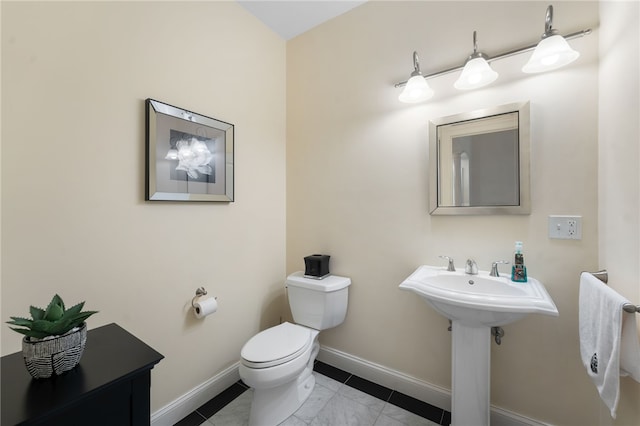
53 321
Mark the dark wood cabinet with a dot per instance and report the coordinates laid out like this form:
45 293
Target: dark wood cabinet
110 386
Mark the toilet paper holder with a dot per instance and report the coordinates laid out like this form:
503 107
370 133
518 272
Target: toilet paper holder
199 293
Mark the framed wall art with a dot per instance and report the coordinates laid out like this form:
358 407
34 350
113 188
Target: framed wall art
189 156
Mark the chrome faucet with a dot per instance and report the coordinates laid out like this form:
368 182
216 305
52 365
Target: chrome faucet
494 268
471 267
450 266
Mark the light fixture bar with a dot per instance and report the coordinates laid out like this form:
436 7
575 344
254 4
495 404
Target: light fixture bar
571 36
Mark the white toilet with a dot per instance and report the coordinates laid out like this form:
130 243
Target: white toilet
277 363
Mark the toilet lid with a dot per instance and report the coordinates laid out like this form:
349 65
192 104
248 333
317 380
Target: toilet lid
276 345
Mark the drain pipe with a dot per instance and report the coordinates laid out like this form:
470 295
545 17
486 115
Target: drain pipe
498 334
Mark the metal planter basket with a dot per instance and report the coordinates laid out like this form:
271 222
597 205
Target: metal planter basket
45 358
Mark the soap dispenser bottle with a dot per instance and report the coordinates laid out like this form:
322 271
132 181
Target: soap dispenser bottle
519 270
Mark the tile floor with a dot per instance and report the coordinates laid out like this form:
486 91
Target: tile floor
338 399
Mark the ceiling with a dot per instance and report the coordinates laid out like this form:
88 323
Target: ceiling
291 18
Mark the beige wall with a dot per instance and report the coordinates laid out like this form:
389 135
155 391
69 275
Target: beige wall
357 186
74 219
619 176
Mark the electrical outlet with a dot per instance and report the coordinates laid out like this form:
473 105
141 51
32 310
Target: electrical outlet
572 226
565 227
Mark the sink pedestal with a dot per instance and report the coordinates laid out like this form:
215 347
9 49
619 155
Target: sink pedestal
470 369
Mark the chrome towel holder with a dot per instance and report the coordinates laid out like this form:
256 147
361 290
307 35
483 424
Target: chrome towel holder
603 276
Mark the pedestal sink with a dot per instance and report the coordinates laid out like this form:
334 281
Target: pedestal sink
474 304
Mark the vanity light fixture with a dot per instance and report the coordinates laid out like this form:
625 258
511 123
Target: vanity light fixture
477 72
552 52
539 62
416 89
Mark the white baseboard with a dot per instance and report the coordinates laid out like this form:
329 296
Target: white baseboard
176 410
414 387
392 379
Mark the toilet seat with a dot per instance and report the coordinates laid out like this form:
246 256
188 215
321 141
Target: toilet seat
276 345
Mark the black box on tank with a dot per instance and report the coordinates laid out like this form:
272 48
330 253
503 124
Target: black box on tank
316 266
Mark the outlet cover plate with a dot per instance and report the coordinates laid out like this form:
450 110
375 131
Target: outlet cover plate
565 227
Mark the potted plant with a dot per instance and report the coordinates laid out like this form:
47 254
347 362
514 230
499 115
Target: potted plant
54 338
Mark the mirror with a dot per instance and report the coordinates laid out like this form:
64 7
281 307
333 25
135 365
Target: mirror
479 162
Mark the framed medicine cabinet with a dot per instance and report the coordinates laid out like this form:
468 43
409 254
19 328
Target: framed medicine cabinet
479 162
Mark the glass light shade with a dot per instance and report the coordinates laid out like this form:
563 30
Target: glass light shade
551 53
416 90
476 73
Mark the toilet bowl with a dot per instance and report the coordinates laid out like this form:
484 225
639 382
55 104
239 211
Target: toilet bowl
278 362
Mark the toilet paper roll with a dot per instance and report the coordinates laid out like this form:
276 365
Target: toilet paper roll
204 307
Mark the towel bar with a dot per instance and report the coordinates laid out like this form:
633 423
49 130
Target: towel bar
604 277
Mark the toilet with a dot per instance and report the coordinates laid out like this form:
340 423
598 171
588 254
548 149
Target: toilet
278 362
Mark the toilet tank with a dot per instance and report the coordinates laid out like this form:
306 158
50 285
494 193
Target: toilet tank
319 304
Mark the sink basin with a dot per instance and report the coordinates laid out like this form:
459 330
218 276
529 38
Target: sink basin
474 304
479 299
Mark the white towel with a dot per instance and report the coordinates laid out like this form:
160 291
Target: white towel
630 348
600 323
